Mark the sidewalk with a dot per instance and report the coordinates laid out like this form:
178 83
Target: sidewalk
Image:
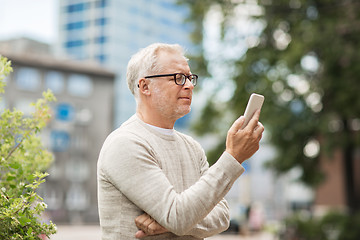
93 233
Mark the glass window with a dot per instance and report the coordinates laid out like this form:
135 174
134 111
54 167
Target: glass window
76 25
77 170
100 21
101 39
24 105
75 43
65 112
77 7
84 116
80 85
77 198
52 196
28 79
60 141
54 81
101 3
101 58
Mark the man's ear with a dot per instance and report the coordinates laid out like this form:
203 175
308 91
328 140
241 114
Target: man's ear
143 86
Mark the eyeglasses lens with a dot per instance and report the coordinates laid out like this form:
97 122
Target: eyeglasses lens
181 79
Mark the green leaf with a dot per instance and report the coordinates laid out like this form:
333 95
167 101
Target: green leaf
29 231
15 165
23 220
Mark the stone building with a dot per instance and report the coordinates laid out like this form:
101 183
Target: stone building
82 118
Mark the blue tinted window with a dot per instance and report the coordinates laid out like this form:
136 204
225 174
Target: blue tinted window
54 81
65 112
101 58
76 25
28 79
101 3
60 141
80 85
76 43
77 7
101 39
100 21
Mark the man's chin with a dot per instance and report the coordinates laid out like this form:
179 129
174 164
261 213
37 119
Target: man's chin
182 112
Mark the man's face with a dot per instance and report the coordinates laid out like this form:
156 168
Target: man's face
170 100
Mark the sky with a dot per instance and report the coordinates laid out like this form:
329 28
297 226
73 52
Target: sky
36 19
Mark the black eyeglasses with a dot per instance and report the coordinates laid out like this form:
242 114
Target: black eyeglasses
179 78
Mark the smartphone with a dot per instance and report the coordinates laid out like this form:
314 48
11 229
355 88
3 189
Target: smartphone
255 102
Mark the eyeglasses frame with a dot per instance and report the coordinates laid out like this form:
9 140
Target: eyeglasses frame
174 75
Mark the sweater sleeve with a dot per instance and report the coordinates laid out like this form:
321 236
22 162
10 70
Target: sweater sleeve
132 168
218 220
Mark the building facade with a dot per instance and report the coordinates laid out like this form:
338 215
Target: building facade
111 31
82 118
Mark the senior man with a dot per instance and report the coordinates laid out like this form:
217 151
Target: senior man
155 182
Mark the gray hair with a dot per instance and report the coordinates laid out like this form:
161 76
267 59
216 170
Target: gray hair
144 62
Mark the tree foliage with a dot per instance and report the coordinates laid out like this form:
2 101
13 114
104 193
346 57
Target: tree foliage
305 62
23 160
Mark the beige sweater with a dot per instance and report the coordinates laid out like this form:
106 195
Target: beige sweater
167 176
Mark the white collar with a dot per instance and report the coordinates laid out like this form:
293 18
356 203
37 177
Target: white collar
165 131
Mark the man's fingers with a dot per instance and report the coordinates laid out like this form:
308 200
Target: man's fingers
147 226
259 131
254 120
141 219
237 125
140 234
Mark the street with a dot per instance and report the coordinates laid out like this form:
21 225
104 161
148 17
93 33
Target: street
93 233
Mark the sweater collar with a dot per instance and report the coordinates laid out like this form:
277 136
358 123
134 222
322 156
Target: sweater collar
167 134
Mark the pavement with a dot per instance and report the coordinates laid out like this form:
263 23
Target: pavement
93 233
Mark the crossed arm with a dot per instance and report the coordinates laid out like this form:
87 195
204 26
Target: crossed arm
215 222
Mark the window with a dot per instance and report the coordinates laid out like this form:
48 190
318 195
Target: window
53 196
77 7
54 81
75 43
101 3
101 39
24 105
77 198
28 79
84 116
76 25
101 21
60 141
80 85
65 112
77 170
101 58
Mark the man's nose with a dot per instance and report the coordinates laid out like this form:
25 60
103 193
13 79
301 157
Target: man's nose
188 84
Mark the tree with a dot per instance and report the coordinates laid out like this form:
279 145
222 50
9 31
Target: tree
23 160
305 61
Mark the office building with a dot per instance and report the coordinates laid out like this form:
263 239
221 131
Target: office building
82 118
110 31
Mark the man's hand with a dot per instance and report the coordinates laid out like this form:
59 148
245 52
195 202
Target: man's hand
148 226
243 143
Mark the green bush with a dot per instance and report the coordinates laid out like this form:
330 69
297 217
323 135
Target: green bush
23 160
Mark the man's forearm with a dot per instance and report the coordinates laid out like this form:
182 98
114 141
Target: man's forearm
215 222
